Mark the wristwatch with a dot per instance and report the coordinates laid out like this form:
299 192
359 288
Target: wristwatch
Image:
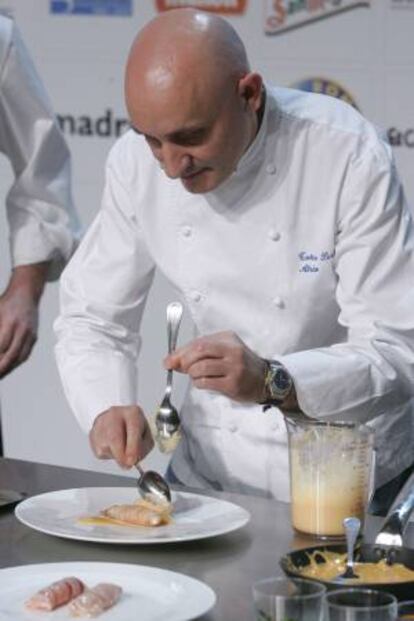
278 383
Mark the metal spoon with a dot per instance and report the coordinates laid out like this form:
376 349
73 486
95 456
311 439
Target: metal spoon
152 484
351 526
167 421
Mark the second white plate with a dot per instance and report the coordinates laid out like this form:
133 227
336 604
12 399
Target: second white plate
195 516
149 593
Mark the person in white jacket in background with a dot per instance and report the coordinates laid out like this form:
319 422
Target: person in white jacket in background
280 219
42 221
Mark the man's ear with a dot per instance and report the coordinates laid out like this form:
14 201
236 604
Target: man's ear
250 89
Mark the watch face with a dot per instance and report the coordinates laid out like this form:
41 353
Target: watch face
282 380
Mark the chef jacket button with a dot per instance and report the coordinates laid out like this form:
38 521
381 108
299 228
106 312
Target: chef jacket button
274 235
271 168
233 428
187 231
278 302
196 296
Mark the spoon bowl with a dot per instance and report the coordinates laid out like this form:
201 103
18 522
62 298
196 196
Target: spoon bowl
151 485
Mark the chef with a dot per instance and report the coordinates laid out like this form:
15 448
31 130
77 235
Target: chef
42 221
280 219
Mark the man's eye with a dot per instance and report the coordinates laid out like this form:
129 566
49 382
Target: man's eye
191 139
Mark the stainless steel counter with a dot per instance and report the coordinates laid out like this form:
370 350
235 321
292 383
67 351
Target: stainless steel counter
228 563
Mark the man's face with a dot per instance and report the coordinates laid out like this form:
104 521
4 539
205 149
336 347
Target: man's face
197 138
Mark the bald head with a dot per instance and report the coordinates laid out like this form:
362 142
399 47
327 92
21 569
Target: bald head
181 45
190 92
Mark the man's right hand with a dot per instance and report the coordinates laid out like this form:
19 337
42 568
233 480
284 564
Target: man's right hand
121 433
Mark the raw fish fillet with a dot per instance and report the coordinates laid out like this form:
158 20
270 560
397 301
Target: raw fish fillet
56 594
94 601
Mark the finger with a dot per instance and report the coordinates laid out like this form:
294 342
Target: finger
107 438
217 384
215 345
208 368
200 350
9 359
116 442
133 437
100 450
6 336
147 443
26 348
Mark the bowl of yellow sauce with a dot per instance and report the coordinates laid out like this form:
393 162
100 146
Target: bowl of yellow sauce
326 564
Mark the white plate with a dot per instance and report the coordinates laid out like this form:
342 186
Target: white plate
149 593
194 517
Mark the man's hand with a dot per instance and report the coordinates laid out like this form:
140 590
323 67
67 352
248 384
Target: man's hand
222 362
19 315
121 433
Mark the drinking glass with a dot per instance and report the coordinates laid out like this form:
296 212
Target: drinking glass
285 599
361 605
406 611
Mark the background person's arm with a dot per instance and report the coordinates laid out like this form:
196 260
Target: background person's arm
39 207
19 314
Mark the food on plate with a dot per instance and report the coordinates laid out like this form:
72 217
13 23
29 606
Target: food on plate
327 566
56 594
143 512
92 602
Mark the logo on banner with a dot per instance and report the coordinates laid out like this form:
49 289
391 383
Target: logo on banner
108 125
225 7
401 137
91 7
283 15
326 87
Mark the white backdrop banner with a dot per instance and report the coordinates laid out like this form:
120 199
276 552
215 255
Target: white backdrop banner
361 51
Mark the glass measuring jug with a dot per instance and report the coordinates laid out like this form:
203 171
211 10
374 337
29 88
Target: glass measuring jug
330 475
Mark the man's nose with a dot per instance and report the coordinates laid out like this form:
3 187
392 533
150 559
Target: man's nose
174 161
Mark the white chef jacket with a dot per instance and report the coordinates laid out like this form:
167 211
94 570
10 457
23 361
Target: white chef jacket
306 252
42 220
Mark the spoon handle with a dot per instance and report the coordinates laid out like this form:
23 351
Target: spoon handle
140 470
352 526
174 314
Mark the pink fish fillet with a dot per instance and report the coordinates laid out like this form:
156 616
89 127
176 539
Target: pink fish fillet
94 601
56 594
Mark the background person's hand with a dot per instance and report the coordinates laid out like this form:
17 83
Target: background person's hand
121 433
221 362
19 306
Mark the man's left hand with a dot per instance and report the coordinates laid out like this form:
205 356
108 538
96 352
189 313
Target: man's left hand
222 362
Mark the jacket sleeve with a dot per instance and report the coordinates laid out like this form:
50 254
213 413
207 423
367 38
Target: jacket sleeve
42 221
373 370
103 294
